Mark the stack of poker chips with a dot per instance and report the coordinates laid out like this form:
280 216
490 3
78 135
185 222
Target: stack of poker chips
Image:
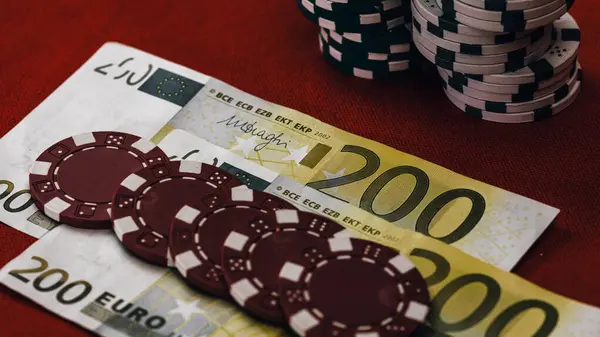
365 38
281 265
508 61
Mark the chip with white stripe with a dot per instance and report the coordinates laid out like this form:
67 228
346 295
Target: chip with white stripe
351 287
73 181
200 230
255 251
147 201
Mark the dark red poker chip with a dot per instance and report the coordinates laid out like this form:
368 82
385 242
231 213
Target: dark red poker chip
349 287
199 231
73 181
146 202
257 248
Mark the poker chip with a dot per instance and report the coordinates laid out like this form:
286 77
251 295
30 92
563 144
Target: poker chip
501 107
430 10
517 58
256 249
445 60
492 39
366 7
366 39
512 89
372 71
450 7
395 40
357 54
199 231
357 2
523 117
73 181
507 98
345 21
557 58
349 287
146 202
385 51
514 25
506 5
486 49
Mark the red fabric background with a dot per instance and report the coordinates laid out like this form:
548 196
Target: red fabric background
268 49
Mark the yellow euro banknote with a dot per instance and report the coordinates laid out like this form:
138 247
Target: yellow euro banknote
91 280
87 278
487 222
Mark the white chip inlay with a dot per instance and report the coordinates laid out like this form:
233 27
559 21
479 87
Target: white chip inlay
54 207
343 234
84 138
236 241
336 54
341 244
302 321
416 311
188 166
143 145
291 271
363 73
123 226
40 168
287 216
309 6
186 261
242 193
242 290
401 263
187 214
328 24
367 334
133 182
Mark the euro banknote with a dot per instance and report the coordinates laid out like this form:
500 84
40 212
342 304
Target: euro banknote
86 276
110 91
492 224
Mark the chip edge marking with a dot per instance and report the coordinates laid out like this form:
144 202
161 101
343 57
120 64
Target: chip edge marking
187 214
41 168
302 321
416 311
133 182
55 207
242 290
291 271
143 145
186 261
236 241
124 226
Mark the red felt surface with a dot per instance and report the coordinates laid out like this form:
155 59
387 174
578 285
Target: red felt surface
268 49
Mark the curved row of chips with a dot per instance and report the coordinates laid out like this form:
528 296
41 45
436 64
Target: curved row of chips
278 263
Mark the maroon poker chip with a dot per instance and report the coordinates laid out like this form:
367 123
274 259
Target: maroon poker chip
257 248
146 202
73 181
199 231
349 287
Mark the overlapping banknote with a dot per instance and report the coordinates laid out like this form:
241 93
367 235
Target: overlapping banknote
459 232
407 192
113 90
87 277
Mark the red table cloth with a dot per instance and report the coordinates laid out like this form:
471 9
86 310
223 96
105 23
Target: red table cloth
267 48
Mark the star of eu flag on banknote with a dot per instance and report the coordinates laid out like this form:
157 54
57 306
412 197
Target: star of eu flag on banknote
171 87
